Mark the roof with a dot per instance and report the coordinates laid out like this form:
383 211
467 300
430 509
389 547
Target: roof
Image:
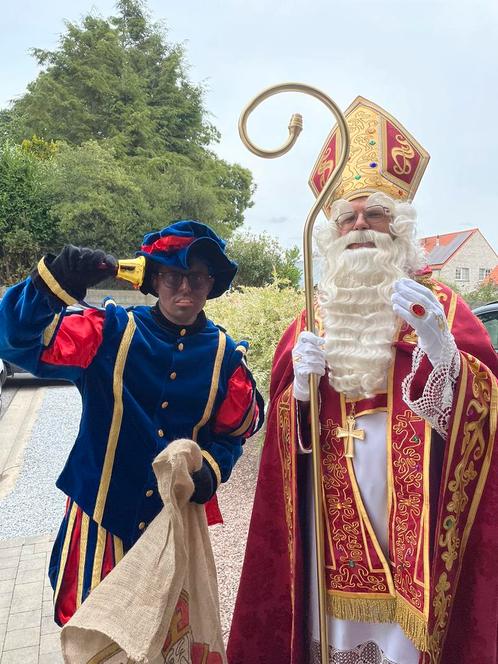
440 248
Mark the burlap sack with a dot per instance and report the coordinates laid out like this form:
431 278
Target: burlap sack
160 604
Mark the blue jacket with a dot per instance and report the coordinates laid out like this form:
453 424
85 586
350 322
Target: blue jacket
142 385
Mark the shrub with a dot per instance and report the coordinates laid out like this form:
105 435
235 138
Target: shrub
259 316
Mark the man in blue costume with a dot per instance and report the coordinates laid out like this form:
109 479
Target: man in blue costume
146 375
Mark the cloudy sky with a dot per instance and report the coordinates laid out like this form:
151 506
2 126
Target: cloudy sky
432 63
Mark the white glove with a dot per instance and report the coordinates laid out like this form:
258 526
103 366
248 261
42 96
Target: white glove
308 358
434 338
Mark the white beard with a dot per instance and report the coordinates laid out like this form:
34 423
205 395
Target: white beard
355 302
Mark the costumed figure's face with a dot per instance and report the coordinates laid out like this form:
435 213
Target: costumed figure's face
183 293
362 214
369 244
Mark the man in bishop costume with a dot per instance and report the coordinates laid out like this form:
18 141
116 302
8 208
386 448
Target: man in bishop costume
408 412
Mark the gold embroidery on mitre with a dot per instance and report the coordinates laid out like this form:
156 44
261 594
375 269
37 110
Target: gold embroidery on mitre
383 156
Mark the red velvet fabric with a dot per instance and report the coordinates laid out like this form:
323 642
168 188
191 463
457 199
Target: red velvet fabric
65 602
213 512
236 404
169 244
77 341
269 623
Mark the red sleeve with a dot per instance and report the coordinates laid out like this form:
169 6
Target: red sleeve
77 340
239 411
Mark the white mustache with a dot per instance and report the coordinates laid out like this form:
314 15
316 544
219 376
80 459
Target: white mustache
358 237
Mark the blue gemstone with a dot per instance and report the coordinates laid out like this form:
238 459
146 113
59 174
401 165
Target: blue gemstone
373 164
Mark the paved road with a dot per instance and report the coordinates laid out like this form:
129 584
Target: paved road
8 393
20 382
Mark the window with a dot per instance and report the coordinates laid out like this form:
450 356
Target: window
462 274
490 320
483 273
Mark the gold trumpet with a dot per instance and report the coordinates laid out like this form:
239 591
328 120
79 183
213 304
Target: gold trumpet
132 270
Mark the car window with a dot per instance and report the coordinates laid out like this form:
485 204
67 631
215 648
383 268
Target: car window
490 320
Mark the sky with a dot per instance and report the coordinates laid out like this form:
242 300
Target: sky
433 64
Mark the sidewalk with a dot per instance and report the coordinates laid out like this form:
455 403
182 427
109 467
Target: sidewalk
28 634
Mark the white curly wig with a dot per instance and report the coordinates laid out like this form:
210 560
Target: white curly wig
354 294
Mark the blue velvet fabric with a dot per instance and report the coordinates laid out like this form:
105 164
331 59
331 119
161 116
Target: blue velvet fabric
146 427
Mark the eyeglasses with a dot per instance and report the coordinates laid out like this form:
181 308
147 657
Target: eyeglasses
196 280
373 215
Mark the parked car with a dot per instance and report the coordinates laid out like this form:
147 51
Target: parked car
488 314
12 369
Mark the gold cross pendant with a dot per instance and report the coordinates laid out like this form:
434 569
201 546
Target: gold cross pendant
350 434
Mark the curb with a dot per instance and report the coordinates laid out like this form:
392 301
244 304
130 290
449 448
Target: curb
15 431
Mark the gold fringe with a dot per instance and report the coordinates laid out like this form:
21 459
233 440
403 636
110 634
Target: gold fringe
375 610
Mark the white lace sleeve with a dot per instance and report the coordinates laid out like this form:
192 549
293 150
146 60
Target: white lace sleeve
437 397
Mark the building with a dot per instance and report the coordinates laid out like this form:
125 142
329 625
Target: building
464 258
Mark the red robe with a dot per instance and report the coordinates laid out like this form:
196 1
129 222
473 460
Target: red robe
461 601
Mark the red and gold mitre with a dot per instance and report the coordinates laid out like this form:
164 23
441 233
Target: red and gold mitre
383 156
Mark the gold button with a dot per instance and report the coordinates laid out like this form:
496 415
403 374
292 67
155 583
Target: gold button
180 346
172 375
164 404
149 493
183 332
141 525
160 433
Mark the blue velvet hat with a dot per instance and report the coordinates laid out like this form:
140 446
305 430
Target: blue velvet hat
173 247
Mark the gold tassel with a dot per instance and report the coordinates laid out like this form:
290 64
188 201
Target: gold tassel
376 610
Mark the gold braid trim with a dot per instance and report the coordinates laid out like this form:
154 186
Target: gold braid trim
48 332
85 526
214 466
222 341
65 549
53 284
117 416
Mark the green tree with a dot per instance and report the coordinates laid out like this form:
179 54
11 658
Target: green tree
262 260
117 94
115 79
96 200
486 291
27 228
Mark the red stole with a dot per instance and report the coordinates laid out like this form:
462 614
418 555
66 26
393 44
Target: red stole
363 584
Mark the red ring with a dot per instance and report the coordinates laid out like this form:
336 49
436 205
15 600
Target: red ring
417 310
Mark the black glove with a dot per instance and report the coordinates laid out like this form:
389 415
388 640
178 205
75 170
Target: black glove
76 268
204 483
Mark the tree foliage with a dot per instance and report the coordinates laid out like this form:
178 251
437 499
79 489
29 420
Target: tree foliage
115 142
26 226
486 291
116 79
261 260
259 316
